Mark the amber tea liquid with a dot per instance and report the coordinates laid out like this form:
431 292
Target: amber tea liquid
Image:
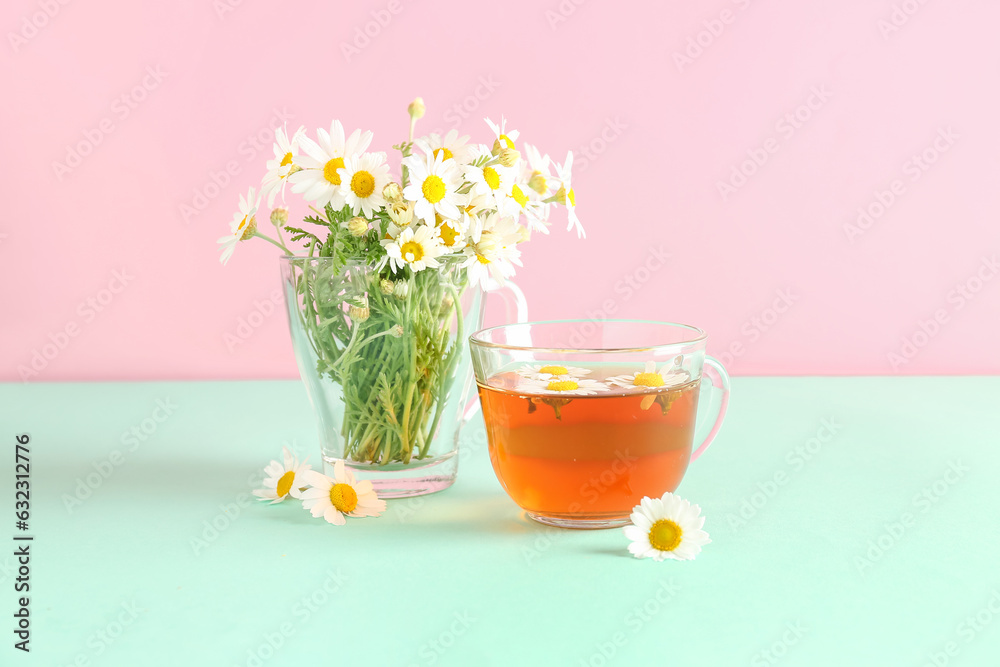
587 457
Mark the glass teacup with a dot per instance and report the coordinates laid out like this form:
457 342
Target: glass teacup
584 418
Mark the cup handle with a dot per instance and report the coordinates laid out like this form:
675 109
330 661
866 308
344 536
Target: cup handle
717 375
512 296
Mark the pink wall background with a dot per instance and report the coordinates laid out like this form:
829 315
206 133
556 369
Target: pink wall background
100 263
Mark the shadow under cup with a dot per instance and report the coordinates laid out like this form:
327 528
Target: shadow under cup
585 418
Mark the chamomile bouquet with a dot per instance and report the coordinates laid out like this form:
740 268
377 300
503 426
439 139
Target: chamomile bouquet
396 256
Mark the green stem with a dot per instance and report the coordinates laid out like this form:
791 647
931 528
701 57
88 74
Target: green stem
449 369
270 240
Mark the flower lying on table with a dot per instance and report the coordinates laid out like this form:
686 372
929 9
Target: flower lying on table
330 498
667 527
284 480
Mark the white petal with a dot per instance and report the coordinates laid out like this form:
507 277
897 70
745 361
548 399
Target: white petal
641 521
638 549
651 510
635 533
334 516
317 479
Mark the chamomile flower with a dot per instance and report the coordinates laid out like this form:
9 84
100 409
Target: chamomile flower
401 213
417 249
434 184
504 138
363 177
492 179
491 251
669 375
667 527
342 495
451 146
566 196
552 371
319 179
562 385
280 167
520 203
476 204
243 225
451 233
535 172
285 479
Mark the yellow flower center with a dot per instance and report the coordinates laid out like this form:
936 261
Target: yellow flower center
344 497
362 184
519 196
562 385
483 259
443 151
448 235
553 370
537 183
571 195
433 189
648 380
665 535
287 160
330 170
412 251
491 177
285 484
507 140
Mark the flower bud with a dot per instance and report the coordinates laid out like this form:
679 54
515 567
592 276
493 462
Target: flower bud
508 157
402 289
358 313
446 305
279 216
357 226
401 213
396 331
392 192
386 286
416 108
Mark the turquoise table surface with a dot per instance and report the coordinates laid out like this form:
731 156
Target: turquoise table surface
854 521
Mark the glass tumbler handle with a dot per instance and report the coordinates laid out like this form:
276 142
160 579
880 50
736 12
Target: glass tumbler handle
513 296
713 372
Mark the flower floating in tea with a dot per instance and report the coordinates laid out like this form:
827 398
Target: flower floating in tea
285 479
564 386
669 375
551 371
667 527
334 498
